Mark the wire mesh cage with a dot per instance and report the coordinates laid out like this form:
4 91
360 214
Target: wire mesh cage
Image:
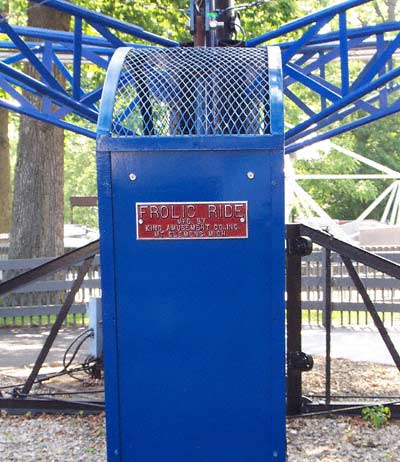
193 91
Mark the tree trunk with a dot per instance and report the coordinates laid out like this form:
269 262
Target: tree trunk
38 206
5 181
391 6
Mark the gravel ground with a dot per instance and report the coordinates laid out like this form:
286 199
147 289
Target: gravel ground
73 439
311 439
52 439
342 439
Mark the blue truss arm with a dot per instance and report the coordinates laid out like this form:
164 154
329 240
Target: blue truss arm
318 67
108 22
344 128
47 91
53 50
377 63
77 67
26 51
313 82
299 24
47 118
64 37
349 99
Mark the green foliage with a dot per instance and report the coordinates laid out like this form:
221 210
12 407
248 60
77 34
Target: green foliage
161 17
346 199
80 177
379 141
267 17
377 416
342 199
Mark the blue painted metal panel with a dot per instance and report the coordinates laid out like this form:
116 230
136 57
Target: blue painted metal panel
194 357
110 326
200 336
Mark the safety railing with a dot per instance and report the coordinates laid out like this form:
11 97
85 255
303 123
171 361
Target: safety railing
299 239
83 258
38 303
356 264
348 308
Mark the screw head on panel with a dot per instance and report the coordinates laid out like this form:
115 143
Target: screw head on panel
132 176
250 175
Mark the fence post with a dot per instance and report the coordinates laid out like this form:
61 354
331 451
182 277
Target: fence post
327 319
293 313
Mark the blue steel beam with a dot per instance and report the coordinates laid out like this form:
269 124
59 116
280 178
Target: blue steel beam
298 24
108 22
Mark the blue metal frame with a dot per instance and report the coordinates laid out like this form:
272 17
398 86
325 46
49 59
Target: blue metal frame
49 52
351 101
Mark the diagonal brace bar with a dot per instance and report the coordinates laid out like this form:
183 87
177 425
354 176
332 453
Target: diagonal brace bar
372 310
56 326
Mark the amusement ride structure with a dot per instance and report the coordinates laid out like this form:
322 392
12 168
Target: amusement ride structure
336 77
332 96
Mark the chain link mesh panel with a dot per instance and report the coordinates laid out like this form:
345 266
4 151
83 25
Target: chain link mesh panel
193 91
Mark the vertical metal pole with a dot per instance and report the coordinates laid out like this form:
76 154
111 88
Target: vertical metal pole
327 269
225 33
293 310
199 36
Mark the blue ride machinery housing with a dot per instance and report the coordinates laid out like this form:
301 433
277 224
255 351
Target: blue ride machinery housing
191 200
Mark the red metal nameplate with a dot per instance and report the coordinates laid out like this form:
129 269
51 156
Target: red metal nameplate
191 220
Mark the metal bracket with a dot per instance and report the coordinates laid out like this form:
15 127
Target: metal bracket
300 246
300 361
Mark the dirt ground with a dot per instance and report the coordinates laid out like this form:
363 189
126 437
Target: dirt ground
309 439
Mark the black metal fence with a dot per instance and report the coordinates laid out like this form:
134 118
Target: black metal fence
359 272
38 303
363 282
347 304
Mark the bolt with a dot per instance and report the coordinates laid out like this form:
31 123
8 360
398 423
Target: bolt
250 175
141 222
132 176
242 220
